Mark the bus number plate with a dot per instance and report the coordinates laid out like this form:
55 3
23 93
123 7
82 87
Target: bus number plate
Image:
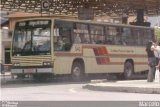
29 70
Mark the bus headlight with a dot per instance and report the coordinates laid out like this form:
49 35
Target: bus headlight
16 64
47 63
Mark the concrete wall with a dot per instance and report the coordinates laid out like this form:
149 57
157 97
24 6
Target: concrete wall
5 42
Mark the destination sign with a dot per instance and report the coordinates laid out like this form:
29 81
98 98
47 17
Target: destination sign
22 24
33 23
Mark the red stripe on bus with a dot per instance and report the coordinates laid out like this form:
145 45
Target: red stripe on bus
101 51
101 60
98 60
105 50
107 60
104 61
96 51
127 55
67 54
97 54
122 63
90 46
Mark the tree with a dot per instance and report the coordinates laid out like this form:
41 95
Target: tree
157 33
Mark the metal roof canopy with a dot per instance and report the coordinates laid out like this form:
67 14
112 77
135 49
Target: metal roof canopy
70 7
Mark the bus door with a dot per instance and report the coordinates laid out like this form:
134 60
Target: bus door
62 35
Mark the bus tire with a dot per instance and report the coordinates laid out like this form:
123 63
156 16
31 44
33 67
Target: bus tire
77 73
128 70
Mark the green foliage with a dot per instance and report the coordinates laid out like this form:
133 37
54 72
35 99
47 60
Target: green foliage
157 33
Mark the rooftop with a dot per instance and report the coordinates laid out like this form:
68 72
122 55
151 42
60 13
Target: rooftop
71 7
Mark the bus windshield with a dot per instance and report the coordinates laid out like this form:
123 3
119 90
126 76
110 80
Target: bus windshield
32 38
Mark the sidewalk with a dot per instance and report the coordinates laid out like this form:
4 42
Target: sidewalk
131 86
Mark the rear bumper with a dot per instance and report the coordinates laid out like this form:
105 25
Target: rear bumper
31 70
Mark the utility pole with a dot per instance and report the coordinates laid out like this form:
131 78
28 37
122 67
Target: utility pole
1 50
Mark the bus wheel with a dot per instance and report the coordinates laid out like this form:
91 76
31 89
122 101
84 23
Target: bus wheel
77 71
128 70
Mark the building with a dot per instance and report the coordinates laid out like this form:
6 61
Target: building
5 41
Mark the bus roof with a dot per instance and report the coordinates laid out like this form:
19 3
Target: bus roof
103 23
88 22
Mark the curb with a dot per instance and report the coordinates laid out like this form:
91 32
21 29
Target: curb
123 89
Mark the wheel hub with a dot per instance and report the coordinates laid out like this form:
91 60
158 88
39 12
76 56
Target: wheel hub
76 71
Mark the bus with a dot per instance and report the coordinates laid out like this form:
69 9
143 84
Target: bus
42 47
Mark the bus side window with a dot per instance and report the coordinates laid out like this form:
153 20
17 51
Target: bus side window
97 34
81 34
138 36
147 36
77 38
127 36
111 37
62 37
107 40
119 40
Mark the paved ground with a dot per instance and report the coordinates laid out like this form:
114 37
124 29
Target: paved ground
65 91
132 86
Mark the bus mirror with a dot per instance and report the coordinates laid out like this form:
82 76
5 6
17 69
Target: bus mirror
10 33
56 32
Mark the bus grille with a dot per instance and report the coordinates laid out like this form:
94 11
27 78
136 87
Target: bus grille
31 60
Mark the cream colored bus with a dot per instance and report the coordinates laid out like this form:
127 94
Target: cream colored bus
42 47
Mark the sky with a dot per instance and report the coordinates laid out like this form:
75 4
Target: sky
154 20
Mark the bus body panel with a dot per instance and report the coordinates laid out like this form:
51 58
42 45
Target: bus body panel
98 58
117 58
63 65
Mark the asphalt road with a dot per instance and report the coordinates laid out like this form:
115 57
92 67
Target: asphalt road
29 90
64 93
